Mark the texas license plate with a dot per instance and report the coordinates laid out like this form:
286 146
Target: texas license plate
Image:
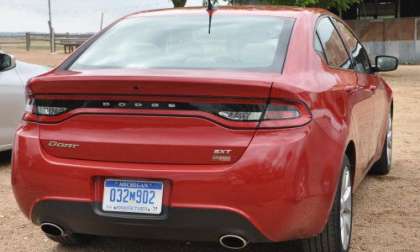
130 196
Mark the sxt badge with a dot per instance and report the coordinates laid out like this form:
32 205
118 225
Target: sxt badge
222 155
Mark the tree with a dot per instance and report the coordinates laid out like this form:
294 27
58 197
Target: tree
179 3
340 5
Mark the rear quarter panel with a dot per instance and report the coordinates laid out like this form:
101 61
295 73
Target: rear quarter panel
325 91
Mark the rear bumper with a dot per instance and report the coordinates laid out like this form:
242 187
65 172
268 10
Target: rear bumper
281 189
178 224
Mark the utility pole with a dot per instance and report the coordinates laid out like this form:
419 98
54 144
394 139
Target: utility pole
102 21
50 26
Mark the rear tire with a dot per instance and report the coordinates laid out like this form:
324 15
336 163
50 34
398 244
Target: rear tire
71 240
336 236
383 165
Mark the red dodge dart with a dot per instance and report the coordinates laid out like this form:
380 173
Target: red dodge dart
234 125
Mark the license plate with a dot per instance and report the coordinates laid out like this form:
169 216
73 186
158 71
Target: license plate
129 196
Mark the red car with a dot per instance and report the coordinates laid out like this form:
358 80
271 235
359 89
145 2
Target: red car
255 126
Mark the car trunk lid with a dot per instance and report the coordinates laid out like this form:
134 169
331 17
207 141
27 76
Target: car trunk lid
172 126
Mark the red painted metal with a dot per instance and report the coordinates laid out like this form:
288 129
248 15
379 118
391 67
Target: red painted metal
282 180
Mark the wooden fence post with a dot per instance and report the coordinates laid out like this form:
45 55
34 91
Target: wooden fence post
28 41
52 41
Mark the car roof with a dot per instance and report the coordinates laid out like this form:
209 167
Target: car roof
269 10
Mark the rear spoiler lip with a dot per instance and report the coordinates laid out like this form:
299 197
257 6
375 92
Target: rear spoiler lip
163 86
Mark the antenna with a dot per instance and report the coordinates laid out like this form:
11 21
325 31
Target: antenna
210 10
209 5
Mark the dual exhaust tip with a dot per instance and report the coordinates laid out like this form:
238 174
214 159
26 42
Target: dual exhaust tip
52 229
234 242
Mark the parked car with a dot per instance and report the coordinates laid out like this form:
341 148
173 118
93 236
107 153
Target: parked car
13 78
257 132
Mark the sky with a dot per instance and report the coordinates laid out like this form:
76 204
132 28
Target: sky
74 16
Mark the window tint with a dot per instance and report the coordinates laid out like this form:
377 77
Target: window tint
333 46
358 52
236 42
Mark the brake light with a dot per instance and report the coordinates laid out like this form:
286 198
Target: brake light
33 108
281 114
29 105
39 111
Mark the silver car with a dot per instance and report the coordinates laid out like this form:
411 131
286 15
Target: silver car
13 77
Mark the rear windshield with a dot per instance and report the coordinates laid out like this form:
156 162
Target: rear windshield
257 43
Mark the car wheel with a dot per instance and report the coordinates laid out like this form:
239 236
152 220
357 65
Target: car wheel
383 166
71 240
336 236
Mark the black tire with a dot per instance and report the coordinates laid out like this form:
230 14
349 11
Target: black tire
330 239
383 165
71 240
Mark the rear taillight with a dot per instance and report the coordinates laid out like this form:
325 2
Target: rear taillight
49 111
29 106
280 114
277 114
44 111
33 108
272 112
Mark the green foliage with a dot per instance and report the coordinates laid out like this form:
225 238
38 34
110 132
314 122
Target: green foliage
179 3
340 5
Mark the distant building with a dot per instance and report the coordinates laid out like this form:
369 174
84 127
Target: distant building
389 27
383 9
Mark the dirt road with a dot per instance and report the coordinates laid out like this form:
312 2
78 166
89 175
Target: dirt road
387 209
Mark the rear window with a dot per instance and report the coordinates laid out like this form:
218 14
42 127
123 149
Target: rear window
257 43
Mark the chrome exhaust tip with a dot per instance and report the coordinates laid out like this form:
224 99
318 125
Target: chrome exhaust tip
52 229
235 242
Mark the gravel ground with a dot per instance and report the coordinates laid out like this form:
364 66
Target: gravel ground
41 57
387 209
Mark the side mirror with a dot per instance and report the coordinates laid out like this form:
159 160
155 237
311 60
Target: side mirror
7 62
386 63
